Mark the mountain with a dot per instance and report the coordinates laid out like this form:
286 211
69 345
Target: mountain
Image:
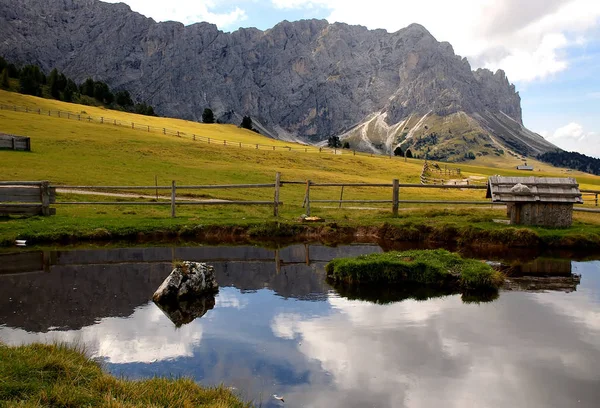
306 80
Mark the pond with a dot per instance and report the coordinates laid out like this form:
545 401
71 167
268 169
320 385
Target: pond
278 328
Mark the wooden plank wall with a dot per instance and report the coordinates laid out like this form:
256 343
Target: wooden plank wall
13 142
29 199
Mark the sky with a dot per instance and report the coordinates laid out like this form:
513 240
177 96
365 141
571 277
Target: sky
550 49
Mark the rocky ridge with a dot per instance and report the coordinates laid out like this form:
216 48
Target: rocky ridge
305 80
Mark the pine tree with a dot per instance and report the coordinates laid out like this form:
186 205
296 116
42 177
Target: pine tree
53 83
246 123
208 116
4 83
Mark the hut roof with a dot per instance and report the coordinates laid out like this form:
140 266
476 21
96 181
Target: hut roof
533 189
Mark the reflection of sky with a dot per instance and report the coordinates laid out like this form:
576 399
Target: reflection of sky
525 349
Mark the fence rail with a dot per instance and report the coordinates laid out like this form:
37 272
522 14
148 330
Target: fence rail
173 203
17 192
396 201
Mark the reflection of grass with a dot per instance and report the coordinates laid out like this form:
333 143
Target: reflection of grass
390 293
438 268
397 293
61 376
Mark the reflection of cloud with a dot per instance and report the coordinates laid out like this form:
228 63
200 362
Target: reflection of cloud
285 325
229 299
581 308
146 336
445 353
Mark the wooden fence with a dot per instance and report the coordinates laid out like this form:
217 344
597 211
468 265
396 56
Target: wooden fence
30 198
26 198
396 201
12 142
173 188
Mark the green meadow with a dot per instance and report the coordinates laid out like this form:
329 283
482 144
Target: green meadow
79 152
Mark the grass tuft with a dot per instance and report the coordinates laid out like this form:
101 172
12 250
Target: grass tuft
62 376
439 268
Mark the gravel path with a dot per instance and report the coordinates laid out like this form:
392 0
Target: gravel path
131 195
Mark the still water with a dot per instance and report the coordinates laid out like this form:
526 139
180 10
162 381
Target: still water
278 328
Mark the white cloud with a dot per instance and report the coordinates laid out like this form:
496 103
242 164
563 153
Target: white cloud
187 11
526 40
146 336
573 137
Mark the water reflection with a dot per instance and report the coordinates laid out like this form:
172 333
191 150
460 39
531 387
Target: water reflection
185 311
278 328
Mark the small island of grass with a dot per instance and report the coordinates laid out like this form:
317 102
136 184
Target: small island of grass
438 268
61 376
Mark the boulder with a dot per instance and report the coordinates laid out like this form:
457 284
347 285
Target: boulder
187 279
188 292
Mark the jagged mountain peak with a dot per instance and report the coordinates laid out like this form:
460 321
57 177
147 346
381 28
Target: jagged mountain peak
306 79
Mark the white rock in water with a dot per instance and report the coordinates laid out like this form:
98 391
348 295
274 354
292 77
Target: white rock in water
188 279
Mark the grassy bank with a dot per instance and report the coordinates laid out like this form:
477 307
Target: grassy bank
60 376
459 227
438 268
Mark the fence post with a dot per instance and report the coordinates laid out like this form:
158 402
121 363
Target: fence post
341 197
276 203
240 144
45 196
209 140
148 129
307 197
164 131
132 125
395 196
173 194
596 199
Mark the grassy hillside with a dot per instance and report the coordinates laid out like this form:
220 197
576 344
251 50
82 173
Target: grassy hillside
71 152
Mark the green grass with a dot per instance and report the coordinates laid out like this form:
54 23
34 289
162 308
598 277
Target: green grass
438 268
61 376
70 152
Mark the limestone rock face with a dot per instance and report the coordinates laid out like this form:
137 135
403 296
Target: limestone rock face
305 80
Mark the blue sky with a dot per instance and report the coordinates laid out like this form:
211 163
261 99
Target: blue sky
550 49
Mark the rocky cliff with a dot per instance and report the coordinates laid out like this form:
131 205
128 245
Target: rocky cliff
305 80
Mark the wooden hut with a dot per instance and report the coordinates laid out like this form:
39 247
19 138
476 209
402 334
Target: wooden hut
536 200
